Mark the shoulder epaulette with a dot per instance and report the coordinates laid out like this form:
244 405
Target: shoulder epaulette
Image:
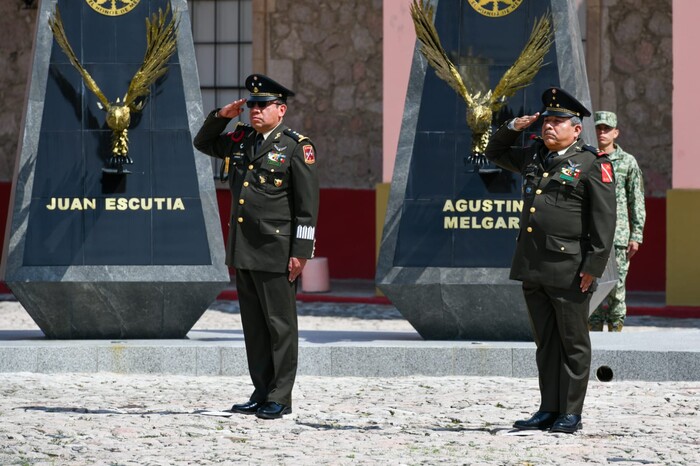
536 139
239 131
294 135
594 150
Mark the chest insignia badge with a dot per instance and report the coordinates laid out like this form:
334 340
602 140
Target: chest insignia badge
570 172
276 159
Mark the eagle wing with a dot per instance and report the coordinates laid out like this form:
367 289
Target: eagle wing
528 63
59 33
432 50
161 43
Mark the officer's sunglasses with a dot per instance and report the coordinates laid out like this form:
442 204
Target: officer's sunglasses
262 105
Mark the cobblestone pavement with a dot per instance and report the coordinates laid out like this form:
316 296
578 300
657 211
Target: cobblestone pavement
115 419
77 419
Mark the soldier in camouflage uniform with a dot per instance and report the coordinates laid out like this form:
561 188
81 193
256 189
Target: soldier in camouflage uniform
629 190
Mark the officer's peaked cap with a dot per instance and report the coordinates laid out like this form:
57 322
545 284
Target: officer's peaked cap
558 102
264 89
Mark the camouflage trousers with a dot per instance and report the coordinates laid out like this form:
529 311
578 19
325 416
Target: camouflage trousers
613 308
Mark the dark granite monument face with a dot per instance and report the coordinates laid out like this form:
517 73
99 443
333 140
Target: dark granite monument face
451 223
94 253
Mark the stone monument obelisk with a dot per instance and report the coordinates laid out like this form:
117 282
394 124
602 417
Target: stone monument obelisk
93 250
450 229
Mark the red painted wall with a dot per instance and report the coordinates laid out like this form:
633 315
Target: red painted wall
648 266
4 203
346 235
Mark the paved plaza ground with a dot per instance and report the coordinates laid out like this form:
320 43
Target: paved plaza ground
74 419
117 419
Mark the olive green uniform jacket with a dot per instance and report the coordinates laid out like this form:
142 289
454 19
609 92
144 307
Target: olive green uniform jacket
275 193
568 219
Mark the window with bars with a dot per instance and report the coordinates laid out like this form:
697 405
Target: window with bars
222 32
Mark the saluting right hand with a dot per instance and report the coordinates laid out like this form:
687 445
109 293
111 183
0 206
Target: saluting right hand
524 121
233 109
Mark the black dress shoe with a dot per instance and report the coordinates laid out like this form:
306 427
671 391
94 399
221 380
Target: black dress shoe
541 420
567 423
249 407
273 410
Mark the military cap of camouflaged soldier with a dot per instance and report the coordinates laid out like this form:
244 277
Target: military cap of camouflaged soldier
605 118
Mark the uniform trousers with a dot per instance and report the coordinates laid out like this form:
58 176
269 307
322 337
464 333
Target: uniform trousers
271 333
559 320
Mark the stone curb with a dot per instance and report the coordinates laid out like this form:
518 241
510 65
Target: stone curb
650 356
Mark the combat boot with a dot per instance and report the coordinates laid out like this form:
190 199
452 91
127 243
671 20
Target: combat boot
595 327
614 326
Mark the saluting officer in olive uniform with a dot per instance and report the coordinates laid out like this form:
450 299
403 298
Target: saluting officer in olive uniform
566 234
274 186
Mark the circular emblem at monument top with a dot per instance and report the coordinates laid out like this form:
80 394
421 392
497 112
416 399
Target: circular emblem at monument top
495 8
112 7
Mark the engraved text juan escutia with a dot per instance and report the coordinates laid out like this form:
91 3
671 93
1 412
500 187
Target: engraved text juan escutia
116 203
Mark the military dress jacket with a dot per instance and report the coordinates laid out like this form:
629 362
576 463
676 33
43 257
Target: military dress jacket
274 193
568 219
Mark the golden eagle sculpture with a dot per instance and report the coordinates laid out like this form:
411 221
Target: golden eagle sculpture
161 43
482 106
